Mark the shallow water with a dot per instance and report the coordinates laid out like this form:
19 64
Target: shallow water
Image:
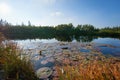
85 50
108 46
107 50
44 52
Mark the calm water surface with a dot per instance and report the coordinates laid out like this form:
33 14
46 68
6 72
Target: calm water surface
108 46
112 49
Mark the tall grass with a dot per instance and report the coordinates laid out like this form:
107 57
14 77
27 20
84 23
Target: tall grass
13 66
1 38
107 69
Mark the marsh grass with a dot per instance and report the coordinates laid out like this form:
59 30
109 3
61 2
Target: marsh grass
106 69
13 66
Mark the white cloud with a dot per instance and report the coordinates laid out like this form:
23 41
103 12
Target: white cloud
56 14
5 9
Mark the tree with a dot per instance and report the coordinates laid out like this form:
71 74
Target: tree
29 23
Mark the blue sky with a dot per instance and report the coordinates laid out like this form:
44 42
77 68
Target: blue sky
100 13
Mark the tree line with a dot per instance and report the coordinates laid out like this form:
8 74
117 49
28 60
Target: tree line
60 31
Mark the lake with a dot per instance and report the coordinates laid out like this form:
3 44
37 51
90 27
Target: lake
46 53
108 46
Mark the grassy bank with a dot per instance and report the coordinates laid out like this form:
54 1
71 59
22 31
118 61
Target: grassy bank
11 64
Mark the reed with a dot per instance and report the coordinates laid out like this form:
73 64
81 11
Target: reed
13 66
107 69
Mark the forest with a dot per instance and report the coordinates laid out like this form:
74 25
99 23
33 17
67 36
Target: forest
62 31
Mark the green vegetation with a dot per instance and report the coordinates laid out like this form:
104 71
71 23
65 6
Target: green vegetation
115 31
83 68
12 65
86 30
65 32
